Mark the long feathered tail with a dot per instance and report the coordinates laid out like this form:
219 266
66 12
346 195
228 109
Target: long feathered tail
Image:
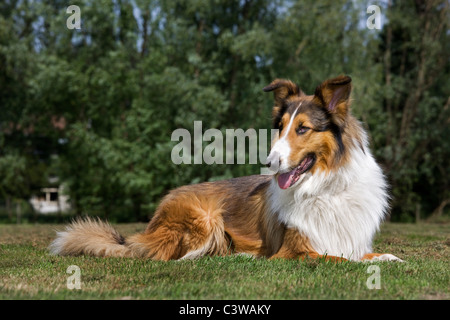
186 227
93 237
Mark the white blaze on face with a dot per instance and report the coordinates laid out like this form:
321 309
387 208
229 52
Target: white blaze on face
281 150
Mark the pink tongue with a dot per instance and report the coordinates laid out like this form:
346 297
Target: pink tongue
285 179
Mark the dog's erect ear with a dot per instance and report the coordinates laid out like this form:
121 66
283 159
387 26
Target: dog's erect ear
282 90
334 95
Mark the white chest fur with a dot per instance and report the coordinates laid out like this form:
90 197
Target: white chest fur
339 212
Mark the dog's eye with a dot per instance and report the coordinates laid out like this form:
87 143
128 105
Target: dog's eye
302 130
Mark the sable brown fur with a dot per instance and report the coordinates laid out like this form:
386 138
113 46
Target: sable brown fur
214 218
234 216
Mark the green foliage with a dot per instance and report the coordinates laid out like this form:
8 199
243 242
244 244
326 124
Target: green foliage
97 106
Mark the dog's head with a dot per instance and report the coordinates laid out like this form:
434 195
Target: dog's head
310 128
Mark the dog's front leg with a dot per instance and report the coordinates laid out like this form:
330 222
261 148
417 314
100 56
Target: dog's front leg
297 246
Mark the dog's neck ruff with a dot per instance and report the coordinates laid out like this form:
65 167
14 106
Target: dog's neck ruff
339 212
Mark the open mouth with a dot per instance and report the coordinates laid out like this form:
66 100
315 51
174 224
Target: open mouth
288 179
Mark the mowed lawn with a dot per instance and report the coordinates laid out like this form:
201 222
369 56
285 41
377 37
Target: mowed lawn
27 271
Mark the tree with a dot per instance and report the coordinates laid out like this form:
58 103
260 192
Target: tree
97 106
412 144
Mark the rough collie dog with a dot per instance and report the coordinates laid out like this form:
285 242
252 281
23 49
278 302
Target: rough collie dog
327 198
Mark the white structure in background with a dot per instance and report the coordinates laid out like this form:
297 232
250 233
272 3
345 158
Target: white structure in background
51 200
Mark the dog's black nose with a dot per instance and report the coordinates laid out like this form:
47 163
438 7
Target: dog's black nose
269 163
273 160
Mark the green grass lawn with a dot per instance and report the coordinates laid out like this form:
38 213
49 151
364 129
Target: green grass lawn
27 271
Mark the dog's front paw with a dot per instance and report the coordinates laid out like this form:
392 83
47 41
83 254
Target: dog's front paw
387 257
381 257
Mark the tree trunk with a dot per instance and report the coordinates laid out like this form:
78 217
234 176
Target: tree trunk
437 213
8 207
